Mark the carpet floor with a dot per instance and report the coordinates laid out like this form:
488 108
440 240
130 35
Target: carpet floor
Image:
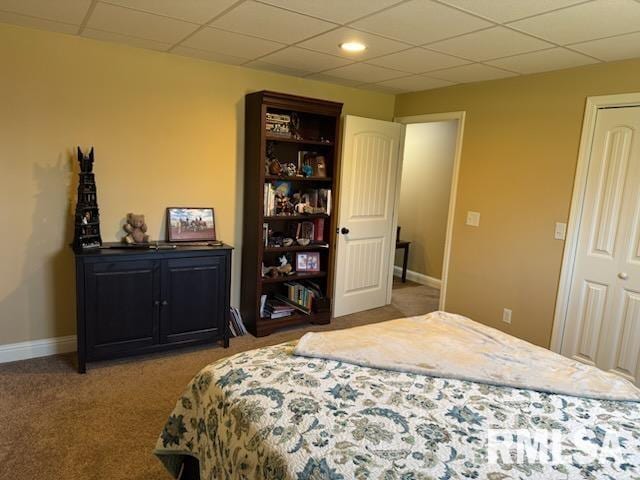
103 425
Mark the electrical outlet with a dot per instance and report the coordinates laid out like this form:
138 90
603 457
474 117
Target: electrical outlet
506 316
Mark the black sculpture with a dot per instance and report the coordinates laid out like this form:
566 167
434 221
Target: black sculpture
87 217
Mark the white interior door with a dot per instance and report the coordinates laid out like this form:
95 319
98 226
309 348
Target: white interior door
366 242
603 317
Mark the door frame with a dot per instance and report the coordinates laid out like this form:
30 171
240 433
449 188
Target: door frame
593 104
430 118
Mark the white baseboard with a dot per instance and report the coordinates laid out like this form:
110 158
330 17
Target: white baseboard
418 277
12 352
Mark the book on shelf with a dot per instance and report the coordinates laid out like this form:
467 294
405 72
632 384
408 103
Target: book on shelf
318 229
274 308
295 305
302 295
269 199
324 199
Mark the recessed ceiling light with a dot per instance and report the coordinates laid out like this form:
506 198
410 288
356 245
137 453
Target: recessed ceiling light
353 46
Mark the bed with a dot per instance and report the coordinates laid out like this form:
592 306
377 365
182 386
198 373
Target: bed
272 414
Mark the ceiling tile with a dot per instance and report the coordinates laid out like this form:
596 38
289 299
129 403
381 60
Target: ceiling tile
364 73
42 24
417 60
271 23
471 73
229 43
492 43
321 77
421 21
65 11
260 65
329 43
196 11
210 56
339 11
415 83
376 87
110 18
507 10
588 21
126 39
613 48
301 59
543 61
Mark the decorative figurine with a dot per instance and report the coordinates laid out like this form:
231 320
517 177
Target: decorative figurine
307 170
287 242
282 270
274 167
87 217
290 169
136 230
295 126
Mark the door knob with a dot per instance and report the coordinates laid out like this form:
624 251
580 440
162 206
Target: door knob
623 275
344 230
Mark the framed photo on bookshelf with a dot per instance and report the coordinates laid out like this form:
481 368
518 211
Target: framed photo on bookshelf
308 262
188 224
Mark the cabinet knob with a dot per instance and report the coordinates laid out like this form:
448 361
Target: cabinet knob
623 275
164 303
156 303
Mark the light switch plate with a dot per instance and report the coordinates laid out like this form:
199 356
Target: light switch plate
560 232
506 315
473 219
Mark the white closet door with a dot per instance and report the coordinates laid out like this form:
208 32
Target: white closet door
603 321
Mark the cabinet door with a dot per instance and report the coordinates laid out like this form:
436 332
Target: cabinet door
122 307
193 298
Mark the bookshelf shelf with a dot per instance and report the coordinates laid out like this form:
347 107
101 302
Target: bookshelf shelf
294 278
275 178
297 248
310 118
275 138
306 216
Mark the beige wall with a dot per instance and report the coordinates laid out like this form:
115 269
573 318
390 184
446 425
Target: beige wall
427 165
518 163
167 131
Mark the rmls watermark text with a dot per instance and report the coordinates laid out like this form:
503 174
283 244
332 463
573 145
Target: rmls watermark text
554 447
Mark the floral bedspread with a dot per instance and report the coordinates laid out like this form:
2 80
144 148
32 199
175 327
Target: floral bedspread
267 414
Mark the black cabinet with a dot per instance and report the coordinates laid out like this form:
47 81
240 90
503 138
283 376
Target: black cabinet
134 301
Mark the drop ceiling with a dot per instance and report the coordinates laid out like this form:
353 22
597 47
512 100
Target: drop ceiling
411 44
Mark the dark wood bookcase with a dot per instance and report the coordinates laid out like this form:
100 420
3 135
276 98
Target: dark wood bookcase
316 129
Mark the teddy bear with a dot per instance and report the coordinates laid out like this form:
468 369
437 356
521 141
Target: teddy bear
136 229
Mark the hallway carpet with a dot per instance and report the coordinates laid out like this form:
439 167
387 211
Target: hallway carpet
59 425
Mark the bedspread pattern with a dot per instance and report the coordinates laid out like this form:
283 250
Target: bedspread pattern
267 414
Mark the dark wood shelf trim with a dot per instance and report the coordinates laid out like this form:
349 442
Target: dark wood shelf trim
295 277
297 248
296 217
298 179
275 138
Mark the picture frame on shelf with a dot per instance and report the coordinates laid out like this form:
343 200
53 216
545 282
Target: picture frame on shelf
319 166
308 262
191 224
